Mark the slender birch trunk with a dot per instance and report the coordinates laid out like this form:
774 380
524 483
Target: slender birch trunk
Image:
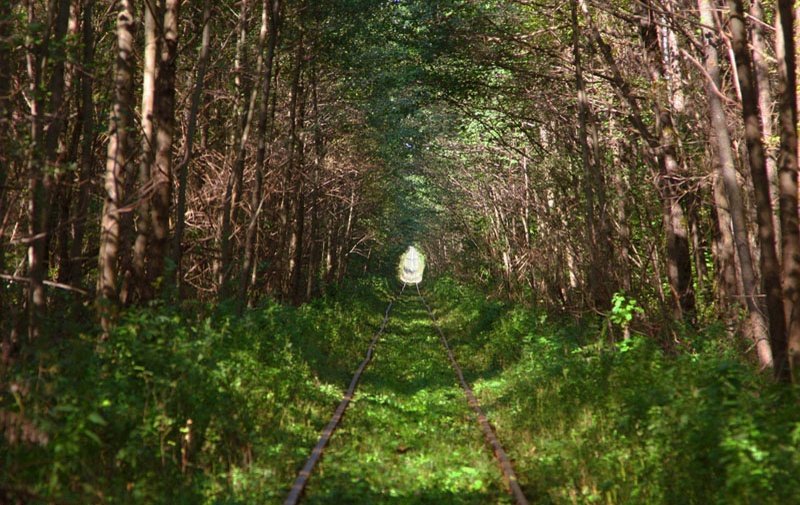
724 252
120 149
587 160
6 128
727 174
291 179
141 283
315 249
88 136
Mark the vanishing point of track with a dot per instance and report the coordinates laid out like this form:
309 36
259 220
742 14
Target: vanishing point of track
509 477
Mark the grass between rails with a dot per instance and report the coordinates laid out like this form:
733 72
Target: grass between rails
591 422
409 436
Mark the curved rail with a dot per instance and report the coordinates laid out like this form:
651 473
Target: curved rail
305 473
505 463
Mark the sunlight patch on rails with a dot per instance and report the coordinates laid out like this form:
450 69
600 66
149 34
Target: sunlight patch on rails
502 458
305 473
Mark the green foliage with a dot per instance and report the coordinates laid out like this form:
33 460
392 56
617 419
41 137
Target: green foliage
623 309
198 405
185 405
591 422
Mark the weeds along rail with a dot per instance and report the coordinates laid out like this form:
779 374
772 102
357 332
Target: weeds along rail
509 476
301 481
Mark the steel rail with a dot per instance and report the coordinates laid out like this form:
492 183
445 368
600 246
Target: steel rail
509 476
305 473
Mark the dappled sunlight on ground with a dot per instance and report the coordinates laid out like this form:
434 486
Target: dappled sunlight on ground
409 436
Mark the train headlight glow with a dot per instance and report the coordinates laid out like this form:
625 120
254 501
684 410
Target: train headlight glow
412 266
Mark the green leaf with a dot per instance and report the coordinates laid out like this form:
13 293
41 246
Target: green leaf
97 419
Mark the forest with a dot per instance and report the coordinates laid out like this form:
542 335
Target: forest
206 206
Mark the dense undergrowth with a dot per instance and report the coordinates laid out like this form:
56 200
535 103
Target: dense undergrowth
590 421
183 404
195 404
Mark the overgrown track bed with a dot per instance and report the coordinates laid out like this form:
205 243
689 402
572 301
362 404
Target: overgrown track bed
509 476
302 478
409 437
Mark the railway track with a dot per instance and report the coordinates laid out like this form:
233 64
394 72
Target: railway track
509 477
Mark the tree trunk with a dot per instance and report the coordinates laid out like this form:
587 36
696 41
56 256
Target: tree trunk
88 136
161 170
298 239
298 233
43 151
182 168
679 262
765 100
314 254
270 16
120 148
724 254
6 160
589 167
292 179
141 283
770 267
672 61
623 230
230 207
727 174
61 151
56 87
787 166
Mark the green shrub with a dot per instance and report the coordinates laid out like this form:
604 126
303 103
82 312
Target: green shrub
185 404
